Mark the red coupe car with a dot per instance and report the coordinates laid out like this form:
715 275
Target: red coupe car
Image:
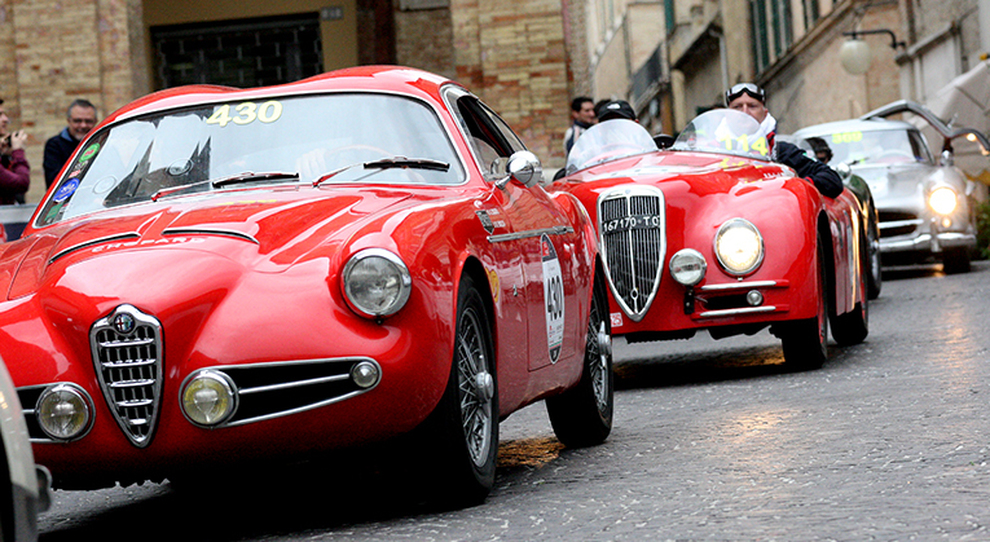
222 276
711 234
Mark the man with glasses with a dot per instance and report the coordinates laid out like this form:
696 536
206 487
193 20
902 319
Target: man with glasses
751 99
81 117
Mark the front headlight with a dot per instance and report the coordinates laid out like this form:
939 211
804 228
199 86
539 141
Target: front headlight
376 283
64 411
208 398
943 200
739 246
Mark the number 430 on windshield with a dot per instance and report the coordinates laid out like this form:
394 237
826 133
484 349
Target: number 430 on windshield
743 144
246 113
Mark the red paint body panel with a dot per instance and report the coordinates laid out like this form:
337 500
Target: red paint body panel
250 275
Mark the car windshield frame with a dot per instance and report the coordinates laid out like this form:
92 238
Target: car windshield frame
878 147
259 142
726 131
608 141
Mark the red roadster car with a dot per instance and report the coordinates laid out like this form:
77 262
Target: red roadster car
222 276
710 234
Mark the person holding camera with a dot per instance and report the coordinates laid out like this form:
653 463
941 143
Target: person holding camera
15 173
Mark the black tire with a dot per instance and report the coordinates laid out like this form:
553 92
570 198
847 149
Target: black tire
853 327
955 260
461 437
582 416
805 342
875 282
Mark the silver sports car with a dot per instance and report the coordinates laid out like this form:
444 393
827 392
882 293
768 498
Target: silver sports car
927 208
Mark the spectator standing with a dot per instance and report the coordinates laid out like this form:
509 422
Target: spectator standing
582 117
81 117
15 173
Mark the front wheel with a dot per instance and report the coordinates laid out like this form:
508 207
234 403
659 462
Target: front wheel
955 260
462 435
582 416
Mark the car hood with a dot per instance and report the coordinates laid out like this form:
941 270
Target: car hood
265 234
898 183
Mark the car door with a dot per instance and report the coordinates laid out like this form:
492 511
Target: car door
535 233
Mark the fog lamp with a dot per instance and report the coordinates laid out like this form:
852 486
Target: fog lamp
688 267
208 398
739 246
943 200
63 412
754 298
366 374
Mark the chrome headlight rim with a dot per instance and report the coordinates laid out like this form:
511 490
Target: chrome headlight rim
943 200
224 383
404 283
755 260
688 256
73 391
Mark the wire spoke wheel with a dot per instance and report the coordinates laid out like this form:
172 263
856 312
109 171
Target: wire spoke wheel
476 387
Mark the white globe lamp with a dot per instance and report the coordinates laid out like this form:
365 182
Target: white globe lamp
855 56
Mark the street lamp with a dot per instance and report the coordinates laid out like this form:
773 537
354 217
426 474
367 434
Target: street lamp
855 53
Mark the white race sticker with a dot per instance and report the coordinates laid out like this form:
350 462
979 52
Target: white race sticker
553 297
616 318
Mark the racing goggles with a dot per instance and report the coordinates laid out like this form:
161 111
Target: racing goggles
745 88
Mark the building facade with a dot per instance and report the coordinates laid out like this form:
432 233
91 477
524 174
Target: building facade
525 58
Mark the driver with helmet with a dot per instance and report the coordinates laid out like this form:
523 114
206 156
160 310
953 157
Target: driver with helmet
751 99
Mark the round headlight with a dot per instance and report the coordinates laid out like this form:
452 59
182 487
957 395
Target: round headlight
63 412
688 266
376 282
208 398
739 246
943 200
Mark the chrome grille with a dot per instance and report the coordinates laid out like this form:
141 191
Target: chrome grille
127 353
632 226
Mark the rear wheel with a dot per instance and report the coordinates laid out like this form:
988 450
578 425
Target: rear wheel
852 327
875 276
582 416
462 433
805 342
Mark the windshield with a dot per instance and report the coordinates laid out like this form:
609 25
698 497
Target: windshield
877 147
607 141
725 131
293 139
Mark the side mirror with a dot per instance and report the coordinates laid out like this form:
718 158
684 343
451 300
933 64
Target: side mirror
843 170
664 141
523 167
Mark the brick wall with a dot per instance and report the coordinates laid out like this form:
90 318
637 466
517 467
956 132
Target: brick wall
512 54
53 51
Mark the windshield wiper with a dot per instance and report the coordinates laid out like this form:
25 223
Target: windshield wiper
390 163
240 178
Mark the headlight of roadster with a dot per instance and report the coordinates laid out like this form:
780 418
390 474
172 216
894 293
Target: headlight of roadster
739 246
376 283
943 200
208 398
63 412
